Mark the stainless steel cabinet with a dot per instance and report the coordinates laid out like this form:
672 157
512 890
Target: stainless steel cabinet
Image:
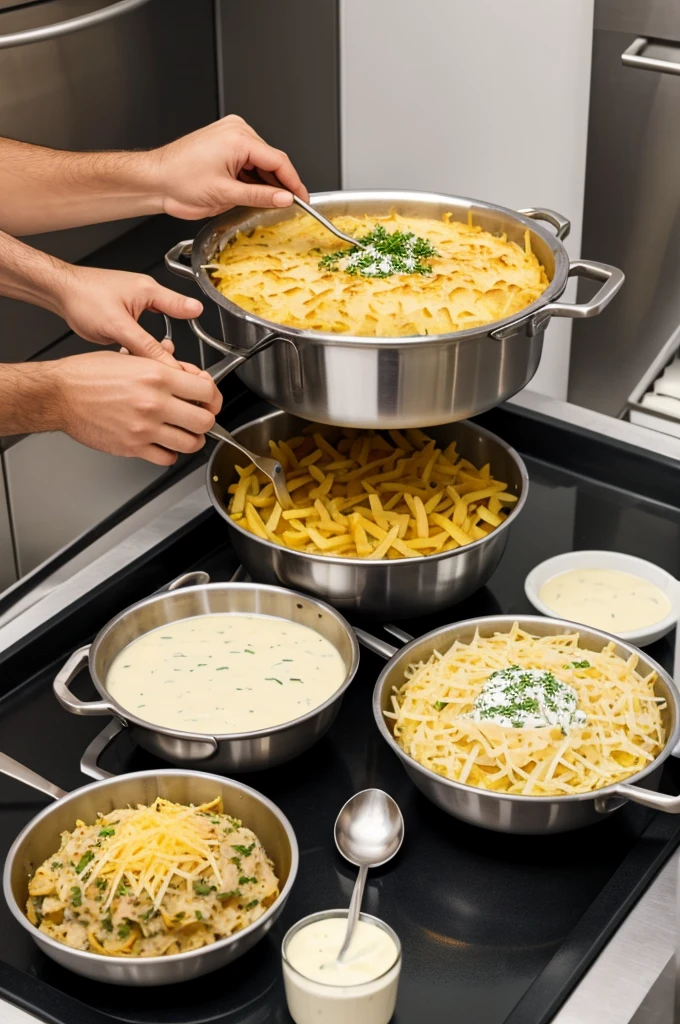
119 85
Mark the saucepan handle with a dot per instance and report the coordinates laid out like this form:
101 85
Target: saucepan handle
89 762
373 643
172 259
612 278
15 770
63 680
561 224
638 795
187 579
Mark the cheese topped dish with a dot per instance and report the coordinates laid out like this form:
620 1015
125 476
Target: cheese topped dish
152 881
286 273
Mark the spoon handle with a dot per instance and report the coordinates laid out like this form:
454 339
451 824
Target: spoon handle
326 223
354 909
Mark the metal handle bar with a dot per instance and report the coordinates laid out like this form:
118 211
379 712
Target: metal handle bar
63 28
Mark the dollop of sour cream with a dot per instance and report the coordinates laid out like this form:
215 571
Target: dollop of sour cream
527 698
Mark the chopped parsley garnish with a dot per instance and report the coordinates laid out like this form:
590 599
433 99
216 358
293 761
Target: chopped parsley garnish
56 864
382 254
180 916
244 880
151 912
199 915
245 851
272 679
123 890
84 861
76 896
249 906
124 931
578 664
108 831
439 704
201 888
101 883
107 924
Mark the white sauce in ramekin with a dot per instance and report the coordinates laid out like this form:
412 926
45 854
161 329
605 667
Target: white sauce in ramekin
618 602
362 989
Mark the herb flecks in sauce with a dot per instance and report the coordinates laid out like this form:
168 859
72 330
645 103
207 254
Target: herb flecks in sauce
382 254
522 698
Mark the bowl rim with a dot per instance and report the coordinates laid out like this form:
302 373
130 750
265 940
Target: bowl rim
151 961
128 716
553 291
523 621
367 562
541 573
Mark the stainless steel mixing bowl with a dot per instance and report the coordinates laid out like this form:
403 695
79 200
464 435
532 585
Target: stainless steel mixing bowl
233 752
41 838
413 381
505 812
387 587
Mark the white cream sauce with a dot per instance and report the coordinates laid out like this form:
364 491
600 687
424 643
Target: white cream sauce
312 952
226 673
606 599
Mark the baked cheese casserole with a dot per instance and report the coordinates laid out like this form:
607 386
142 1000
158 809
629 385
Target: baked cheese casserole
283 274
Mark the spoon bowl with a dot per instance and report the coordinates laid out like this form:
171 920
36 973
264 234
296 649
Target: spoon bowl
368 833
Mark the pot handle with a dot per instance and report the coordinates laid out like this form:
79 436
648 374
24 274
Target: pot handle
373 643
65 677
237 356
16 770
612 279
187 579
637 795
172 259
561 224
89 762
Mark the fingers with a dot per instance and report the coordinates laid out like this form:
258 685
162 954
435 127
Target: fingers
138 342
243 193
164 300
159 456
177 440
266 158
193 418
199 388
168 346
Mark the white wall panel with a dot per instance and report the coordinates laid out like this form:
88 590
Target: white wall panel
487 99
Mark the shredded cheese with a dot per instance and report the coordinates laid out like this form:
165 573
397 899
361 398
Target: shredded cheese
153 845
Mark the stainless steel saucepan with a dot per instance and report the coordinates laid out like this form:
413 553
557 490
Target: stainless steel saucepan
41 838
386 587
234 752
413 381
505 812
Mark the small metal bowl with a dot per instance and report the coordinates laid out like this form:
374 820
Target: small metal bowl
40 839
232 752
506 812
389 588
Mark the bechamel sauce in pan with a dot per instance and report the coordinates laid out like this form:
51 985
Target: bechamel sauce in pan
226 673
606 599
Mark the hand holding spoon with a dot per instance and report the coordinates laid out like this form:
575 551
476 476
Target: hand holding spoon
368 832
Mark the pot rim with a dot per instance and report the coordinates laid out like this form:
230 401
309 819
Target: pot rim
523 620
338 560
130 717
151 961
322 199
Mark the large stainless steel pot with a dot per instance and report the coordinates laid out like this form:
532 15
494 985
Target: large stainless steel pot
41 838
234 752
505 812
389 587
414 381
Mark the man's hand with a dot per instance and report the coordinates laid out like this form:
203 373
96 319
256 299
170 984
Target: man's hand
203 173
103 306
121 405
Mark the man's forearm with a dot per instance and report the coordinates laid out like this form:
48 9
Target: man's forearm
30 275
30 398
47 189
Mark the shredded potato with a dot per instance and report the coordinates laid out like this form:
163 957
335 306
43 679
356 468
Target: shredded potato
361 494
152 881
476 278
622 735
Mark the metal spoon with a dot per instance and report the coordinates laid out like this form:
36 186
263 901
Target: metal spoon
270 467
327 223
368 832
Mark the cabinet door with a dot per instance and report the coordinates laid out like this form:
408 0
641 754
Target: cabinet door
123 84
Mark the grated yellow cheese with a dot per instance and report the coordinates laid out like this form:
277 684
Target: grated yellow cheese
155 844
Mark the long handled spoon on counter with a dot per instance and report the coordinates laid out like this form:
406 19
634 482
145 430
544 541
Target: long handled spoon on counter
368 832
